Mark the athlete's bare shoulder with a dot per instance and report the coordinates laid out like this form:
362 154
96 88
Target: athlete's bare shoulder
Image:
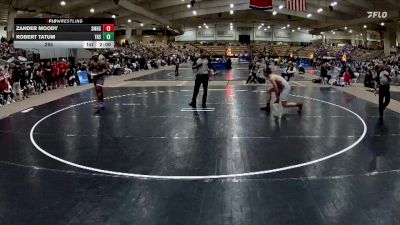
275 77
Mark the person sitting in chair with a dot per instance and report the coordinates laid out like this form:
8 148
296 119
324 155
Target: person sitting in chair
324 72
290 71
369 78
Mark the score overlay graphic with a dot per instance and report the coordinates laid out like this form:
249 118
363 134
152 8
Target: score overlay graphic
90 33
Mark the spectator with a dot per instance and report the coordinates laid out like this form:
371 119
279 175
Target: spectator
16 85
50 71
324 72
347 76
5 92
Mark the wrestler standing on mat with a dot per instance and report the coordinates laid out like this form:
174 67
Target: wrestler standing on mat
98 70
281 88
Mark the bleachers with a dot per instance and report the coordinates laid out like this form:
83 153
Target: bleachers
184 47
275 50
265 48
359 54
260 48
281 50
220 50
305 52
165 49
239 49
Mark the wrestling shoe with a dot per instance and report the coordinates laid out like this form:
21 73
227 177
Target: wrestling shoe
193 104
266 109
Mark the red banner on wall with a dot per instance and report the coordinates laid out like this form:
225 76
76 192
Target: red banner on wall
261 4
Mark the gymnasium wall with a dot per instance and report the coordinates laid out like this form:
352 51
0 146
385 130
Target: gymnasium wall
224 33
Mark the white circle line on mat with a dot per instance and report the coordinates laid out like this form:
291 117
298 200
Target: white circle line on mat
206 177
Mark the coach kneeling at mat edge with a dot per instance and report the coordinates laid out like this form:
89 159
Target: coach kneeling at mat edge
203 66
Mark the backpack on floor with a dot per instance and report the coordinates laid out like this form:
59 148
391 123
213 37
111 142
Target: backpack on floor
317 81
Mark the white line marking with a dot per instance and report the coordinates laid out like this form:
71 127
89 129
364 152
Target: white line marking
207 177
27 110
295 137
181 83
374 173
130 104
198 110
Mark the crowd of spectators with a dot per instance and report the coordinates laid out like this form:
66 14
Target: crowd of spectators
19 80
335 69
338 72
21 77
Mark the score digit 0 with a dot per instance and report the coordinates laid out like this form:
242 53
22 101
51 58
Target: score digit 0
108 28
108 36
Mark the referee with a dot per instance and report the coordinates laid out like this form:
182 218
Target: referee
203 67
383 82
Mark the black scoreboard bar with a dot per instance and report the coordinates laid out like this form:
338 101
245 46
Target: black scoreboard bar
64 33
63 21
59 27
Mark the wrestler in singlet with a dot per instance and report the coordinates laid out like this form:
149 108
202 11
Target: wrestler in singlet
98 72
99 69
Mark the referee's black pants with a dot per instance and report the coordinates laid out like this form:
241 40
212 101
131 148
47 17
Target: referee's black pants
176 69
384 98
201 79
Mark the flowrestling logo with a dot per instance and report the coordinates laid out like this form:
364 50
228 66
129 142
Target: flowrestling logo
377 14
64 20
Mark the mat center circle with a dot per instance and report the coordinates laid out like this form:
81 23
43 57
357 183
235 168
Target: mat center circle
194 142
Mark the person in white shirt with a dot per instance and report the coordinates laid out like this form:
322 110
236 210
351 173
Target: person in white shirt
203 67
383 83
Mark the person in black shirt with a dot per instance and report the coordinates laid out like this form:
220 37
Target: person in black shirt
253 74
71 75
25 80
16 85
290 71
369 77
324 72
23 76
177 61
229 63
48 75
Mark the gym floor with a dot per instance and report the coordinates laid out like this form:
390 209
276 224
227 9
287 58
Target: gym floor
186 74
149 158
